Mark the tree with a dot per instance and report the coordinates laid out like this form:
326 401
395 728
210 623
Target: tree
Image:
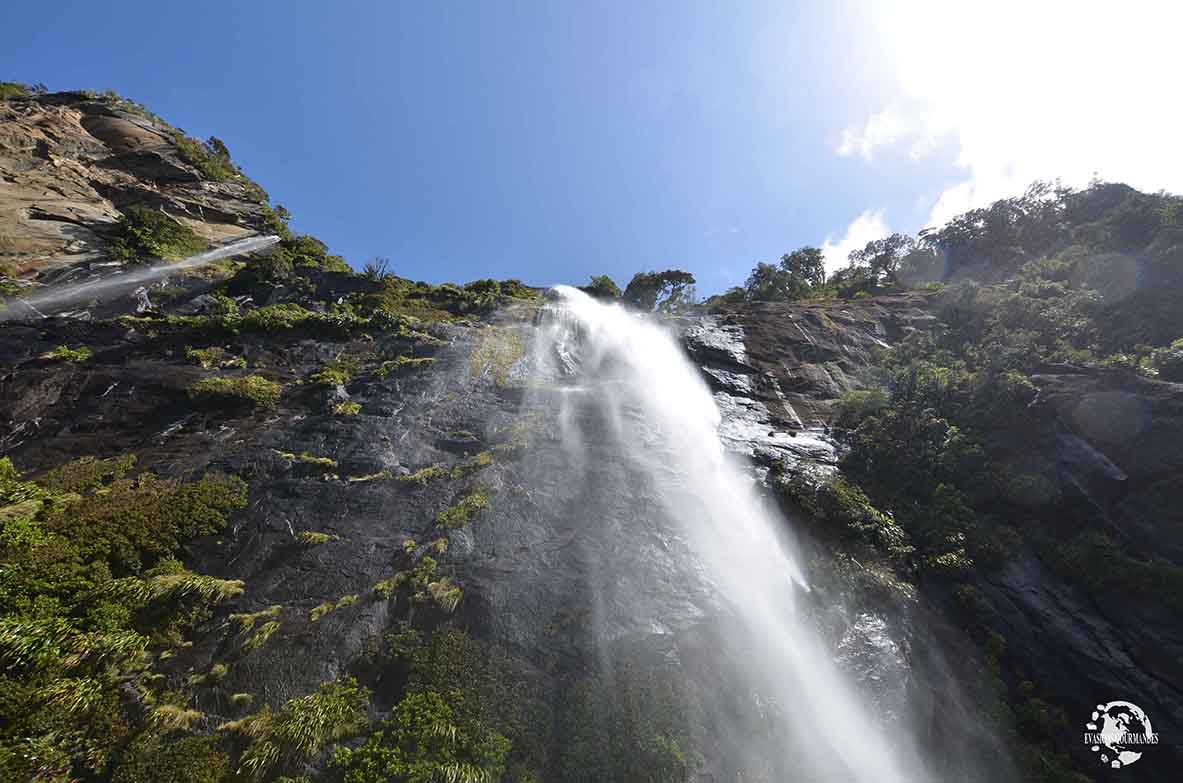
798 274
766 283
666 291
881 257
806 265
602 287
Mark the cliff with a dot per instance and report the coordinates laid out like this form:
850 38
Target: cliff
403 481
72 163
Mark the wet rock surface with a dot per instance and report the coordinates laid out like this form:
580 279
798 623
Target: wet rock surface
559 567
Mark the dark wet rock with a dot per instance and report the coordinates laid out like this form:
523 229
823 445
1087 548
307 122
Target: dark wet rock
1087 654
574 555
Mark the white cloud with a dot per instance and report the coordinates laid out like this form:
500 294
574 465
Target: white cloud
883 128
863 229
1043 90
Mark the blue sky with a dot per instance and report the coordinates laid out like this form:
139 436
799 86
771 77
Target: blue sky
555 140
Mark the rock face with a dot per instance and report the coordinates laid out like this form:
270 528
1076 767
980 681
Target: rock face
561 573
801 357
542 574
70 162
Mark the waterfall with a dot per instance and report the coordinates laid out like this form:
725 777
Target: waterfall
625 382
32 305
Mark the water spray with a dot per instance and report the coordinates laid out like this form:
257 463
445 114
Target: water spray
33 305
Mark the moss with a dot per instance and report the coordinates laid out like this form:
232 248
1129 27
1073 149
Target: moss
311 538
471 504
472 464
253 390
400 363
319 611
275 318
146 233
346 600
307 459
495 353
242 700
346 408
214 357
246 621
382 475
260 637
66 354
425 476
337 372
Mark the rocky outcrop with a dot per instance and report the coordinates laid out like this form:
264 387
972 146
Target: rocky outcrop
802 356
71 162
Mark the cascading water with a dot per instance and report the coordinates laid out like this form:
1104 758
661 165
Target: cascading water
90 289
625 383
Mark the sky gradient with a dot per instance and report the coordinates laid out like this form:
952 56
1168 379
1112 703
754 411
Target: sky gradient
553 141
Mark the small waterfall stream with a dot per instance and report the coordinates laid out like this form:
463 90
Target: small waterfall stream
32 305
626 383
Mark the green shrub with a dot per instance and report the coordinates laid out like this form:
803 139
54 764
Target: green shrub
275 318
66 354
1169 361
87 473
82 618
841 511
402 362
261 636
246 621
153 760
282 740
854 406
346 408
253 390
463 716
13 90
146 233
425 739
320 610
1094 560
211 158
311 538
602 287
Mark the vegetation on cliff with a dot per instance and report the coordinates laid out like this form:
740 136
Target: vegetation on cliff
942 442
92 600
